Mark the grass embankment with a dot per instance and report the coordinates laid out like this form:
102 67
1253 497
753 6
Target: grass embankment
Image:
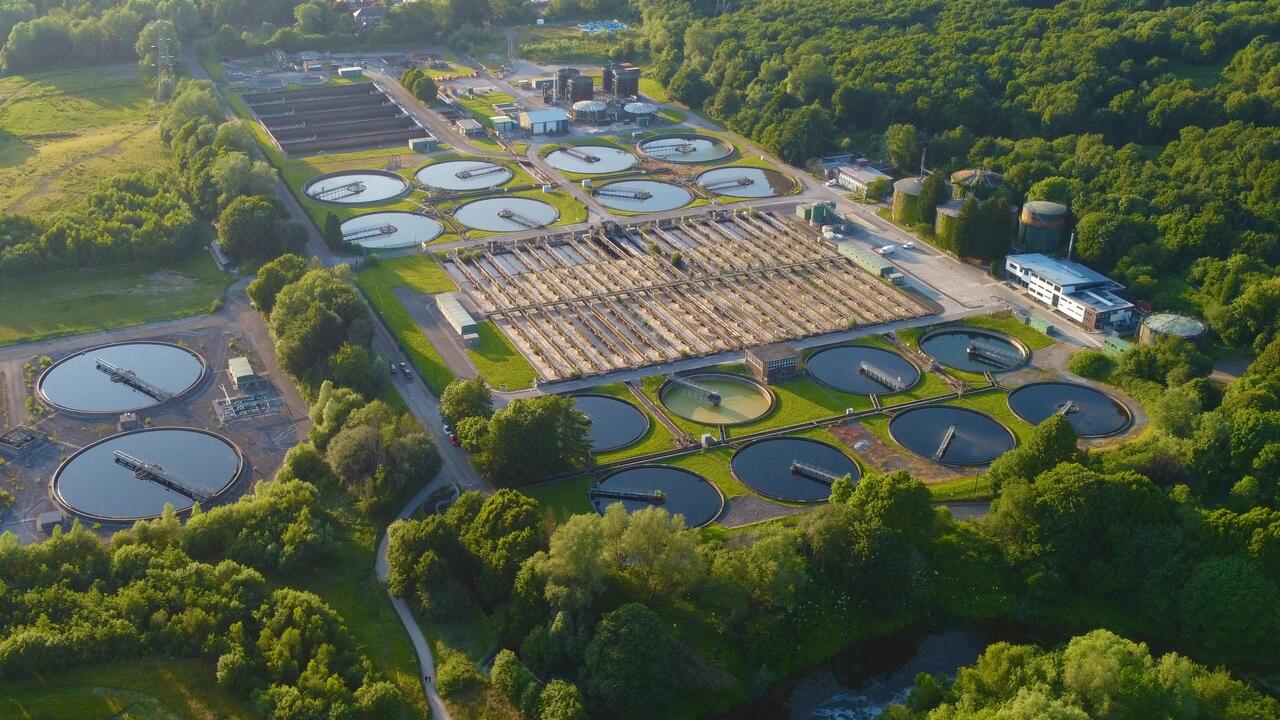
422 274
62 132
499 363
79 301
139 690
656 439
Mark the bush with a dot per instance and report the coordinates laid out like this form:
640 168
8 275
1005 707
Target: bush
1091 364
456 676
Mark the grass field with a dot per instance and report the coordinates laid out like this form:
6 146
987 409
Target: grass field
423 274
499 363
61 132
138 690
68 303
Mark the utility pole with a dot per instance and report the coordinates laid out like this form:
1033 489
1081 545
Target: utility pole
163 60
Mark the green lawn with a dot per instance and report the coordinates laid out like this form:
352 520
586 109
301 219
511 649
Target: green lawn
61 132
996 404
499 363
138 690
713 464
964 488
930 385
73 302
378 281
801 400
1012 327
481 106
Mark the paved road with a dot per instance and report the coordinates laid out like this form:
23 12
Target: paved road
436 328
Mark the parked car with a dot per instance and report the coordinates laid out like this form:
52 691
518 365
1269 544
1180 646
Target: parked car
453 440
886 249
404 368
448 429
908 246
833 183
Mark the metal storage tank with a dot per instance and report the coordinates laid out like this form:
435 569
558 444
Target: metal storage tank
581 88
906 200
563 78
1041 224
640 112
1162 325
606 78
978 182
626 80
945 218
589 111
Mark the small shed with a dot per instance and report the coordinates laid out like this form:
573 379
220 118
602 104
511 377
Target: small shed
458 318
773 362
243 376
551 121
352 71
424 144
503 125
469 127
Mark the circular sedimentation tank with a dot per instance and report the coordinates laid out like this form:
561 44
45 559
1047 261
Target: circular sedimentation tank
792 469
862 370
132 476
642 196
464 175
740 399
746 182
676 490
979 182
691 148
976 351
1091 412
591 159
1161 325
357 187
506 214
390 230
121 377
615 423
951 435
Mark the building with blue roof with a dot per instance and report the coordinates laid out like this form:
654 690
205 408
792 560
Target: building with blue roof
1084 295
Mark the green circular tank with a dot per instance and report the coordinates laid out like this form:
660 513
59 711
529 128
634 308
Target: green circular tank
906 200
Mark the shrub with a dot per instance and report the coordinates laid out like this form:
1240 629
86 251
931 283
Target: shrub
1091 364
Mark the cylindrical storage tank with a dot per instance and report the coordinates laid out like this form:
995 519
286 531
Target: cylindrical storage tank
641 113
563 78
1041 224
906 200
626 82
978 182
581 88
1162 325
589 111
945 220
606 78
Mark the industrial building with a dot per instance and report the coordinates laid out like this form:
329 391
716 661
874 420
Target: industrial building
773 362
857 178
1083 295
871 262
243 377
469 127
458 318
552 121
1041 225
503 125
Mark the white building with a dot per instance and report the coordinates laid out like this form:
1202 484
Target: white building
856 178
458 318
1083 295
552 121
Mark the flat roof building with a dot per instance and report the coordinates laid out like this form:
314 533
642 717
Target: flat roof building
552 121
857 178
1083 295
243 376
469 127
458 318
773 362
